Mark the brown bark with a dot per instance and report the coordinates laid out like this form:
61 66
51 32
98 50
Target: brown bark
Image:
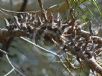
5 34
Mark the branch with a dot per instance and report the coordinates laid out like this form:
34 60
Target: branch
13 67
5 34
96 39
51 52
24 4
80 47
91 62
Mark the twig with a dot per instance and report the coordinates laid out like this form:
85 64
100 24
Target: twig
39 46
9 72
48 52
13 67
